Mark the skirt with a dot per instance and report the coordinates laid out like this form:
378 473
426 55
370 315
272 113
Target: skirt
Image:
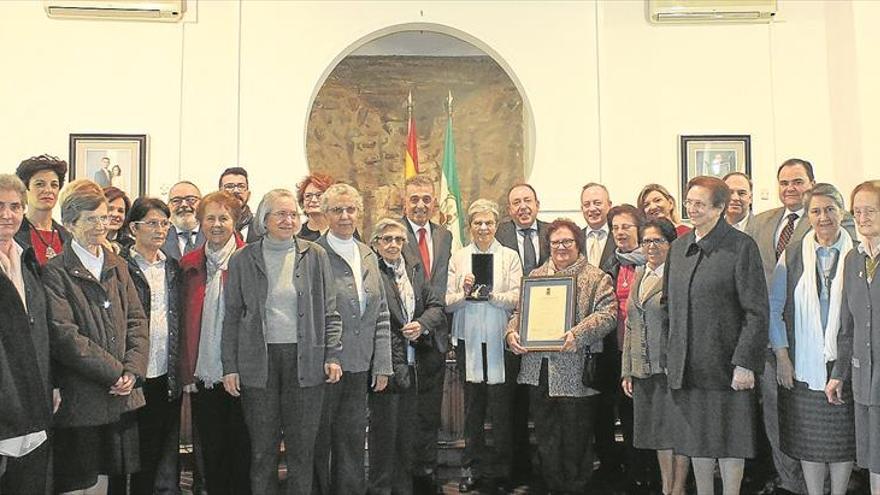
652 428
84 452
812 429
868 437
714 423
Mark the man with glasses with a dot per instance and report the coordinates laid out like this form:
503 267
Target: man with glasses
185 234
432 244
234 180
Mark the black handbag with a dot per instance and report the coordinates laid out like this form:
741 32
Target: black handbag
588 378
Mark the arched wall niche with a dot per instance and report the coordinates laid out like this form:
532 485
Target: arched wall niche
357 122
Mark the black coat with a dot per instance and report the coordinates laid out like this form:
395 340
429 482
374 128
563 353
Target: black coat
428 311
441 238
506 235
716 306
172 271
23 236
24 403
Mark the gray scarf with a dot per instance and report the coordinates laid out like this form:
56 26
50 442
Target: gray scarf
635 257
209 366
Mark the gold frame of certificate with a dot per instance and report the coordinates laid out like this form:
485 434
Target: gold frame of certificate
546 312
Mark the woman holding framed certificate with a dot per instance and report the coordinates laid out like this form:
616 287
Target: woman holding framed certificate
562 406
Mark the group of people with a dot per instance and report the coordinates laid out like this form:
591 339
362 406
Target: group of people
300 341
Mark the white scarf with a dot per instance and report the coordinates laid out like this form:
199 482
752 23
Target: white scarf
813 348
209 366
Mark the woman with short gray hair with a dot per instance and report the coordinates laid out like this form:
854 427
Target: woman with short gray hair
806 294
99 340
478 327
281 342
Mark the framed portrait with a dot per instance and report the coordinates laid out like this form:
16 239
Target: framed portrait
118 160
547 312
716 155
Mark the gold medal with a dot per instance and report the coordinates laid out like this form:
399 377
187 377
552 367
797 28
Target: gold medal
50 253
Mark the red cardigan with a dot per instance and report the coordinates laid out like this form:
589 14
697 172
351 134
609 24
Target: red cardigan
194 278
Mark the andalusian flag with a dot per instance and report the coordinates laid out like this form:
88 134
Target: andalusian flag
450 193
411 166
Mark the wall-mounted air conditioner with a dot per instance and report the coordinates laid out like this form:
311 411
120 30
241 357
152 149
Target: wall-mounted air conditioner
709 11
138 10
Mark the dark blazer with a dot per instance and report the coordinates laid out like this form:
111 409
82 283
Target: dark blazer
318 328
172 246
762 228
859 328
172 279
716 309
507 233
38 317
441 238
23 236
194 277
26 399
98 331
607 262
428 311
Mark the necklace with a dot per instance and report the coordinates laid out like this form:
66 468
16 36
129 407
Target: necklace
50 252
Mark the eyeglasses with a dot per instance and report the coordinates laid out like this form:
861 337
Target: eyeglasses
339 210
241 186
284 215
867 212
695 204
13 207
562 243
310 196
388 239
178 200
94 221
154 224
653 242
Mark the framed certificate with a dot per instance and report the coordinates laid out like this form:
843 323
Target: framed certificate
546 312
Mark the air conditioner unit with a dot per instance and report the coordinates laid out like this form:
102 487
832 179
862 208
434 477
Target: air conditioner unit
709 11
138 10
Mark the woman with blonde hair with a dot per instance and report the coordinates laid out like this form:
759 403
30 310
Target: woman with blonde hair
656 202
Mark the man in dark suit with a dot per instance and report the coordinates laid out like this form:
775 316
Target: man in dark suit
185 234
599 250
234 180
432 244
103 176
739 211
526 235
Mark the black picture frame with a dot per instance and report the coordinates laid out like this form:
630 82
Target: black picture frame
125 153
565 320
715 155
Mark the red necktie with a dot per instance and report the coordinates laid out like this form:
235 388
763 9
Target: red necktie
423 250
785 235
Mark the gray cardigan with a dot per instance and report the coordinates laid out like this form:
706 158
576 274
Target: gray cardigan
366 337
318 327
859 331
643 339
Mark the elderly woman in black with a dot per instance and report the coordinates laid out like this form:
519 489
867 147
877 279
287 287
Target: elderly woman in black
156 278
561 404
643 378
281 342
715 299
859 326
99 340
416 313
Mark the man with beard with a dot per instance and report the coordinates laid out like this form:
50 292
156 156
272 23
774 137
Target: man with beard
234 180
526 235
432 244
184 235
739 210
43 176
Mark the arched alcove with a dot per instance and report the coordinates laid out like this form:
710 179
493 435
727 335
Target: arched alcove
357 123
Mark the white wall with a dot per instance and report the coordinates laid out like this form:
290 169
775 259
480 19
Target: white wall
608 92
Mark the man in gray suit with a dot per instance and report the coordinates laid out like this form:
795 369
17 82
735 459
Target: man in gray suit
773 230
739 210
432 244
599 246
185 234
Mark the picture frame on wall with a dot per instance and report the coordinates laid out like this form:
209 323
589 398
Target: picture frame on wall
713 155
118 160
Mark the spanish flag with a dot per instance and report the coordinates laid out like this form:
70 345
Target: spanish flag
411 168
